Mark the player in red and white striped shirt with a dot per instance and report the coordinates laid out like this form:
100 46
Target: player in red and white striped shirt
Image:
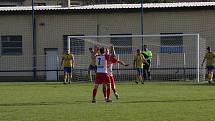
102 76
112 60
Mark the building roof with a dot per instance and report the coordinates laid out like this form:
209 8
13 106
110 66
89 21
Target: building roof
112 6
12 0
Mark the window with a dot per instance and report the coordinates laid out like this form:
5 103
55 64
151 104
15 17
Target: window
171 44
125 44
40 4
77 45
11 45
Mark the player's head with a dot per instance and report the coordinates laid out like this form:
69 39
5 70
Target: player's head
91 49
145 47
208 49
102 50
96 47
138 51
67 51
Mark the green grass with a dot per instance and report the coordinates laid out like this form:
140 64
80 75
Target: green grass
154 101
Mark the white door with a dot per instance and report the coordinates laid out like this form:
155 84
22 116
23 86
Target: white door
51 64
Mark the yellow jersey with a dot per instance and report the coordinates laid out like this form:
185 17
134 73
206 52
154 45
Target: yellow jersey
68 58
93 59
210 56
139 60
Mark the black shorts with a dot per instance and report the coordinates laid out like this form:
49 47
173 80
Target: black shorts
146 66
92 67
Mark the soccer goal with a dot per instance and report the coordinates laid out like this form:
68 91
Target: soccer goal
175 56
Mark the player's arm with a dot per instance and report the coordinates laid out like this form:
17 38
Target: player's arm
73 61
61 63
144 60
150 54
113 50
122 63
135 62
203 60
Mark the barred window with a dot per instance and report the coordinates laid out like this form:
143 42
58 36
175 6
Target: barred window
11 45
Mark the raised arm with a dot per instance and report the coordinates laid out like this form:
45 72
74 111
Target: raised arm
122 63
203 60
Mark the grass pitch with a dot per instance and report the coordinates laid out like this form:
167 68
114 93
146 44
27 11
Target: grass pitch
153 101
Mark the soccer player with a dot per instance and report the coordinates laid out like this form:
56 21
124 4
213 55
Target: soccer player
110 71
209 57
139 61
68 62
92 66
102 76
148 56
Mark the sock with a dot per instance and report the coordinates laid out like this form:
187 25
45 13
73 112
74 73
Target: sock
70 78
89 76
141 79
138 78
65 77
94 93
105 93
108 93
209 75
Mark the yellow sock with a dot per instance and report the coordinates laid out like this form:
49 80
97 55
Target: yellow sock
210 75
65 77
141 78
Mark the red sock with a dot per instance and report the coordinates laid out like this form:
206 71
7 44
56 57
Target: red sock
94 93
105 93
108 93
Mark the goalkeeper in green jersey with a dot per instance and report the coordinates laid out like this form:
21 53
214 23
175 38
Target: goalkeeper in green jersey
148 56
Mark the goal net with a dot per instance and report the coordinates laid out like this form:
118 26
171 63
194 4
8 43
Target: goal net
175 56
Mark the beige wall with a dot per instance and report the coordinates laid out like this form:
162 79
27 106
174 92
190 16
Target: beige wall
51 28
17 25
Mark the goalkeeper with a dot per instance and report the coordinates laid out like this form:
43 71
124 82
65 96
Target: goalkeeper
148 56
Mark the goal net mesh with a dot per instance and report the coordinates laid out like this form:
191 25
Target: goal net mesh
175 56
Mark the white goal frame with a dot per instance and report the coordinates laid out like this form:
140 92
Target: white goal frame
149 35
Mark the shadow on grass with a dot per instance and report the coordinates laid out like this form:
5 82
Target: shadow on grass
34 104
169 101
87 102
196 84
44 103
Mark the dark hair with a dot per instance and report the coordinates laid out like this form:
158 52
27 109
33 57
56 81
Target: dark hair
90 48
138 49
102 50
208 48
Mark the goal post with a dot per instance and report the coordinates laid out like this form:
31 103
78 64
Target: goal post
176 56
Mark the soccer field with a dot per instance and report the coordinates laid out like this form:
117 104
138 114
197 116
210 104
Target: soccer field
153 101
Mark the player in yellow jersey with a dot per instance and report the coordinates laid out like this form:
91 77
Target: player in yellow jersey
139 62
92 66
68 62
209 57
